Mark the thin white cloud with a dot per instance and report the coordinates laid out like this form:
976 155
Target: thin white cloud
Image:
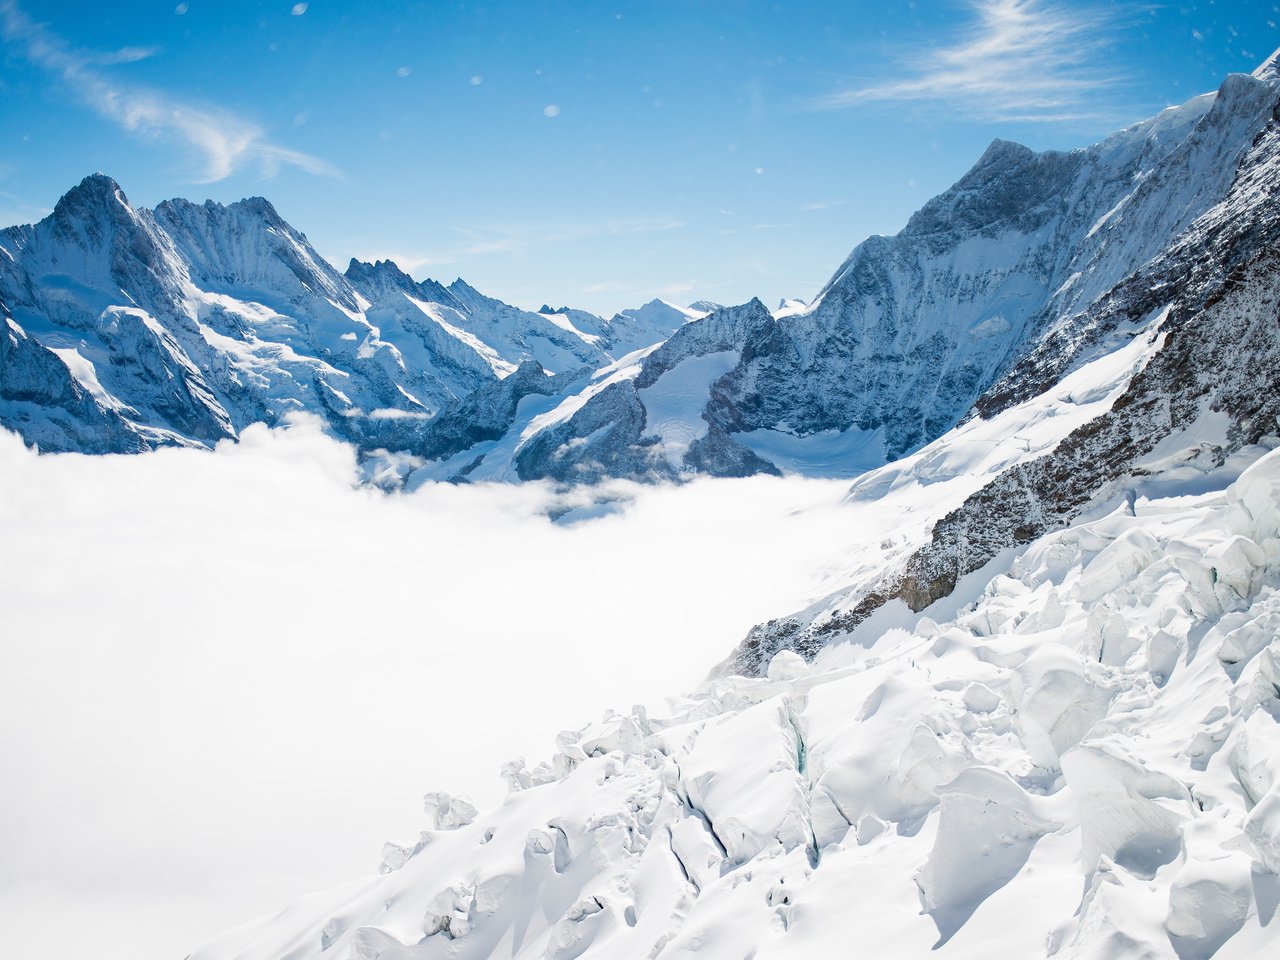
1022 60
823 205
124 55
678 288
223 141
517 239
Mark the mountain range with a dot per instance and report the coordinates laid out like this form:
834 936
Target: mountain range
130 328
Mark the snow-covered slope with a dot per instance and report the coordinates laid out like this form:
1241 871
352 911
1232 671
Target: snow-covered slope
187 323
639 417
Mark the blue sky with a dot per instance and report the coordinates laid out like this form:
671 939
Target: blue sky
595 154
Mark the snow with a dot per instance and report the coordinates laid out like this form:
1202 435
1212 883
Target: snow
564 323
82 369
625 368
827 453
673 404
789 306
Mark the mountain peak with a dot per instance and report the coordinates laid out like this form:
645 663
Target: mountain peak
259 207
381 277
362 269
1269 69
1000 149
97 189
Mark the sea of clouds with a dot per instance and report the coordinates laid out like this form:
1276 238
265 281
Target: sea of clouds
227 677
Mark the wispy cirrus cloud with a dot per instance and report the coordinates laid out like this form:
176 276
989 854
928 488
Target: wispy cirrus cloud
518 239
1022 60
222 141
123 55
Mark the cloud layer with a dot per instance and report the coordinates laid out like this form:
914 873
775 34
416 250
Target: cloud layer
1022 60
228 677
222 141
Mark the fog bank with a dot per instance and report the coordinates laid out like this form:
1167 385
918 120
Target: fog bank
226 678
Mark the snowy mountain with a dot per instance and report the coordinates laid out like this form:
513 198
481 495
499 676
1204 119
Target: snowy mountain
1037 713
185 324
128 328
994 291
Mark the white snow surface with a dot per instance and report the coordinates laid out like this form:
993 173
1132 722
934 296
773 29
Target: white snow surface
673 405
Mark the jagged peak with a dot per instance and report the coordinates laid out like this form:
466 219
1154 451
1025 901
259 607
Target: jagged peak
259 207
1000 149
460 284
97 189
528 369
362 269
1269 69
753 310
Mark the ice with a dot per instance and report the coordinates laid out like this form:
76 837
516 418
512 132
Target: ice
987 828
1208 903
979 698
1060 697
1128 813
448 812
1262 827
742 776
1117 563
